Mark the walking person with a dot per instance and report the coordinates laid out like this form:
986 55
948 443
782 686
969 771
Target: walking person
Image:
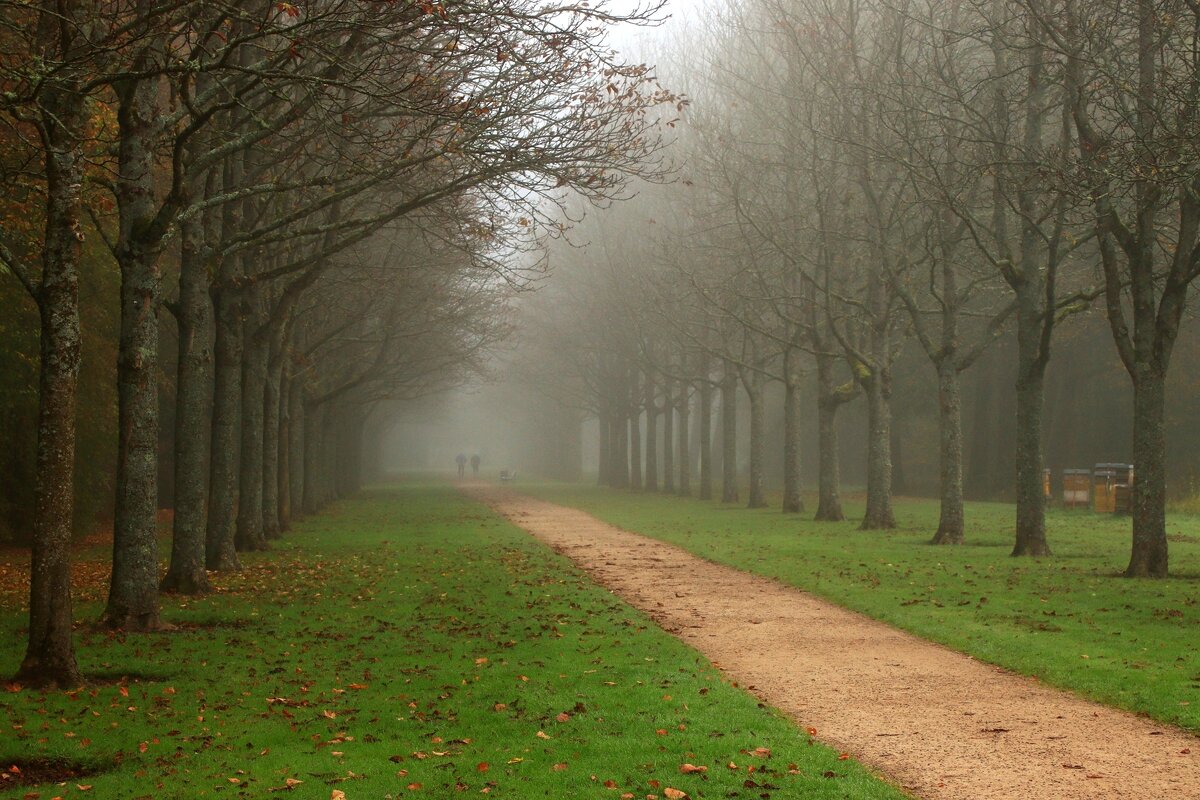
475 465
461 460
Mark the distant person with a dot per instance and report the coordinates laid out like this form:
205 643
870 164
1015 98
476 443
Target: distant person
475 465
461 460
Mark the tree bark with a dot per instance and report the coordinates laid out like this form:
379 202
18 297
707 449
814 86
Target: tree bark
220 552
684 438
605 452
793 502
635 450
729 389
50 655
283 485
829 502
668 449
193 395
754 389
314 425
249 532
1148 556
133 602
297 433
619 429
705 423
272 436
950 523
879 515
651 435
1031 503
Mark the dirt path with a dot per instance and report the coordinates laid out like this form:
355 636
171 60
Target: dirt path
936 722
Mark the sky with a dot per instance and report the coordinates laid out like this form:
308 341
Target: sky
679 12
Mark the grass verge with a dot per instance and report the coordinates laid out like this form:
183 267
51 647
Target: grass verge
1069 619
408 643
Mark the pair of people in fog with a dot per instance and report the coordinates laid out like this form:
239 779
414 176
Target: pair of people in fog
461 461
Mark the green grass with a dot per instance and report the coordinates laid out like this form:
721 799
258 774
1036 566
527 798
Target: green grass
1069 619
410 643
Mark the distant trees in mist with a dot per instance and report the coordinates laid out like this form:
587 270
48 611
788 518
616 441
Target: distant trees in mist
865 184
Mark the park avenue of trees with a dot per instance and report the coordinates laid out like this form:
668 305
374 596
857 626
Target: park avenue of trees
879 194
238 239
322 207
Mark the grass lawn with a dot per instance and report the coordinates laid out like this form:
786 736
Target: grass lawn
407 643
1068 619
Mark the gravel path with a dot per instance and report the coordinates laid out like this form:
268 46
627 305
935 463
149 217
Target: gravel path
934 721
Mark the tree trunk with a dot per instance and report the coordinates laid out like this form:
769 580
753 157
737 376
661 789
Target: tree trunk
193 394
1148 558
635 450
50 654
619 429
793 503
705 423
879 514
297 433
950 524
684 437
668 448
829 501
314 425
133 602
754 389
729 389
651 436
283 484
1031 503
272 436
605 452
249 535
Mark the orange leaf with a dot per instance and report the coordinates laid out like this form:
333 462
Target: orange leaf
674 794
560 767
688 769
482 766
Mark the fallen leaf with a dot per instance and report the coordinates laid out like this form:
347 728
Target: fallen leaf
560 767
688 769
563 717
337 794
543 735
482 766
674 794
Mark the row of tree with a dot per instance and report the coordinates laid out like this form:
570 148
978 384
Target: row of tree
333 200
865 174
